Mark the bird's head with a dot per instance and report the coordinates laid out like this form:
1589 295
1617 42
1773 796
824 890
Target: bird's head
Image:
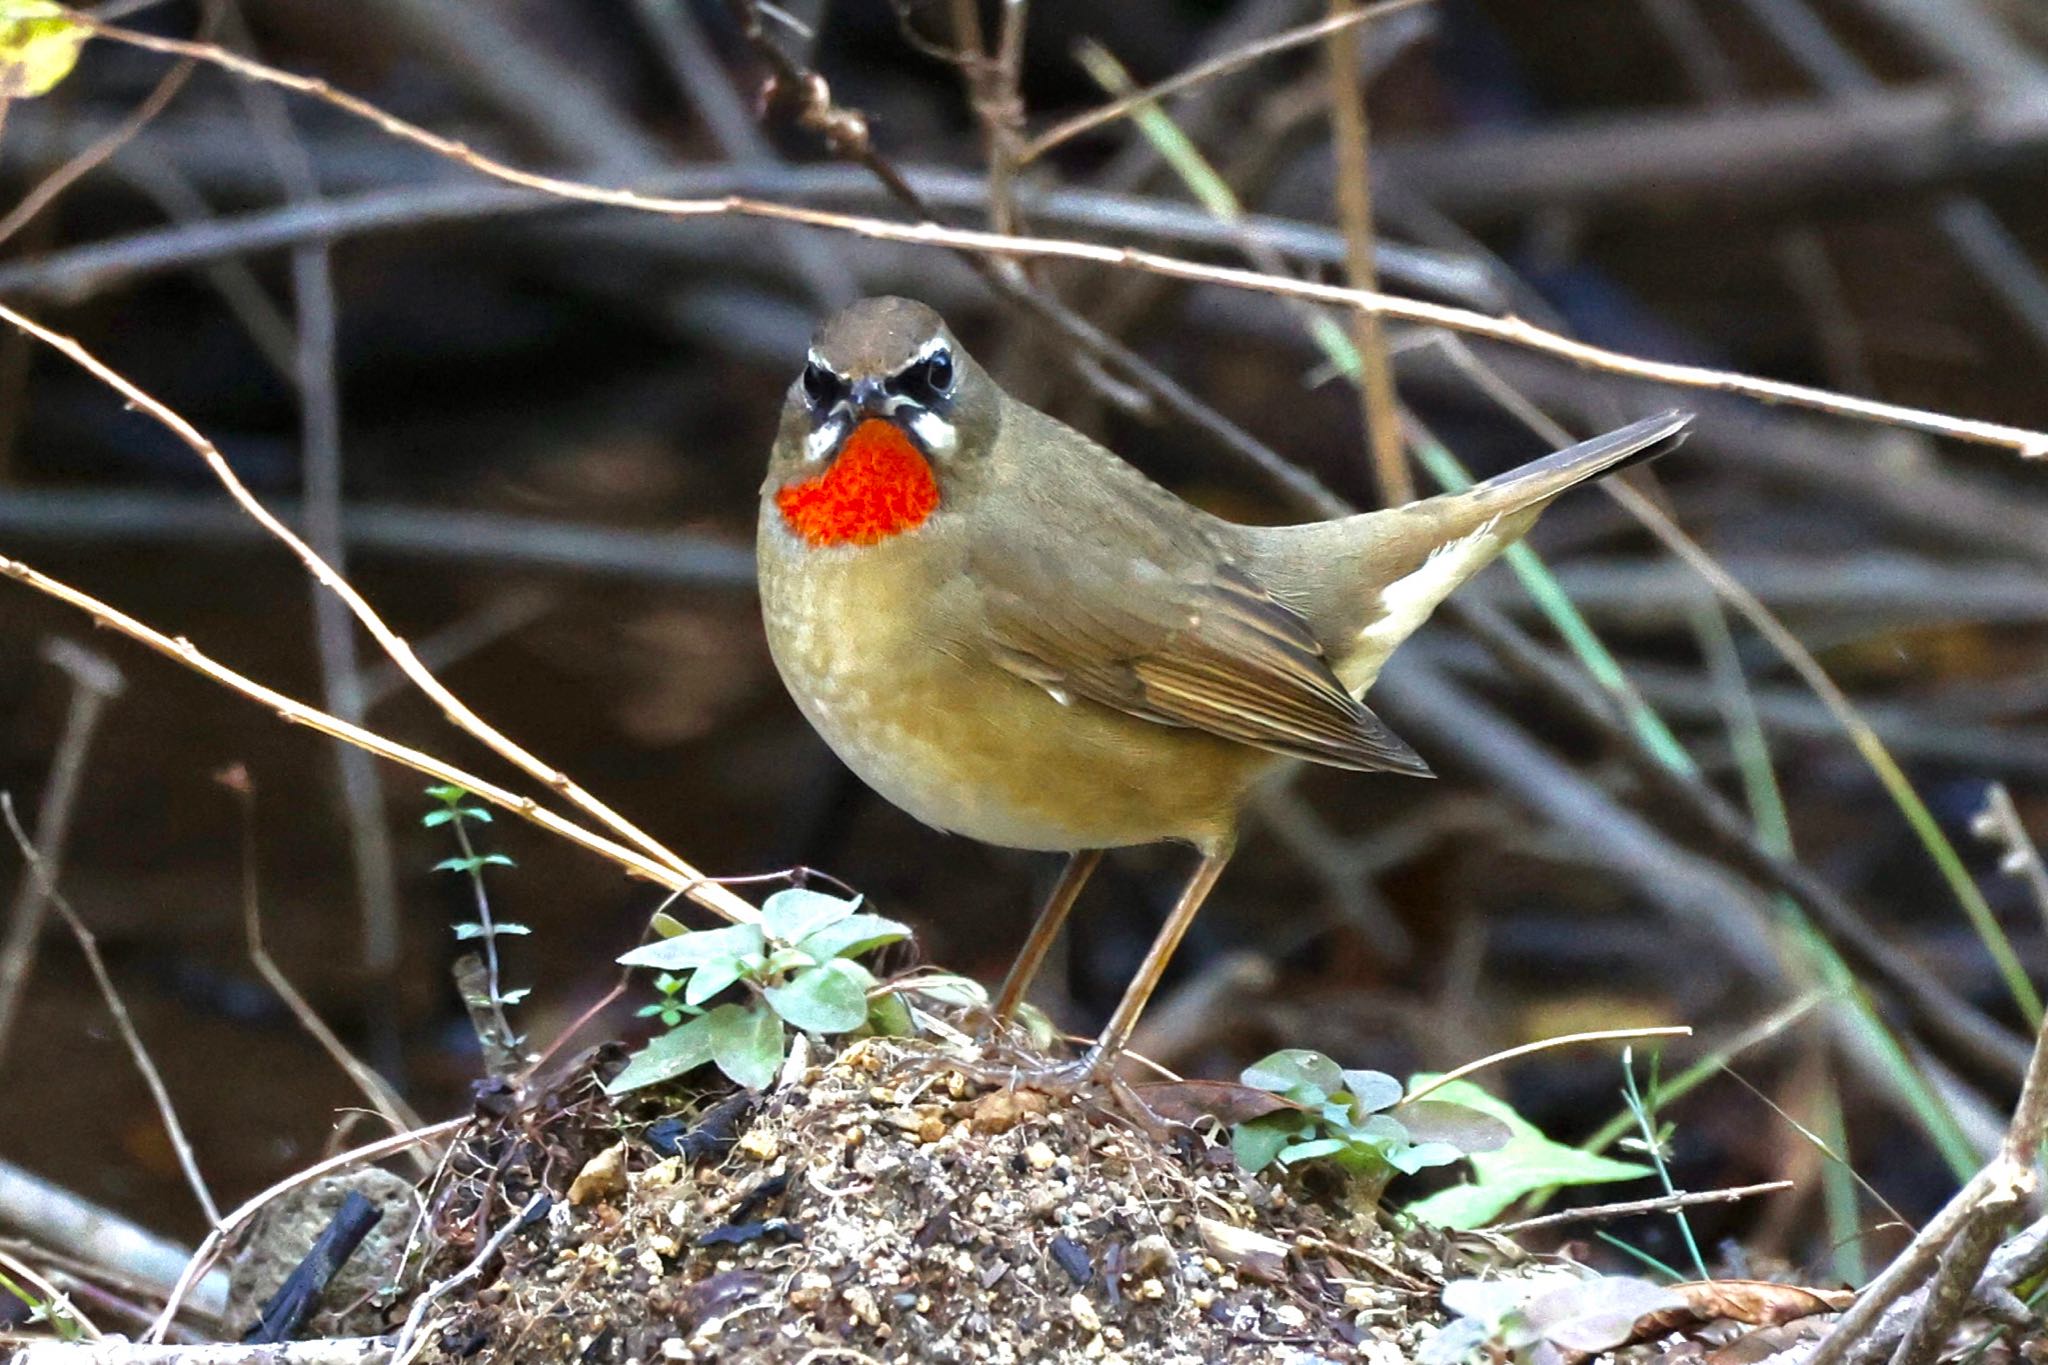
886 415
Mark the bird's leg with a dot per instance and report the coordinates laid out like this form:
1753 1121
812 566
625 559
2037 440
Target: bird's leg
1099 1061
1044 930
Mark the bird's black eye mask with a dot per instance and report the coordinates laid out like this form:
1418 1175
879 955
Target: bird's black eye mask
927 381
822 388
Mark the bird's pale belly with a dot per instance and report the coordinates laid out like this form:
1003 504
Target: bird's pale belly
966 746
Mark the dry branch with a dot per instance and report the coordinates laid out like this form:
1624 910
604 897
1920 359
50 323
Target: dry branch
705 892
1514 331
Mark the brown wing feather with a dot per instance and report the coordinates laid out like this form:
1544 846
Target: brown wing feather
1199 644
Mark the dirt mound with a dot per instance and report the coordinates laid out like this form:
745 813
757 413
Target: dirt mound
882 1207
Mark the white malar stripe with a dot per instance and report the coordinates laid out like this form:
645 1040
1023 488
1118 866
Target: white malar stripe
1407 602
934 432
826 438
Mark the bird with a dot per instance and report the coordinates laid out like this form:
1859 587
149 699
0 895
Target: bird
1014 635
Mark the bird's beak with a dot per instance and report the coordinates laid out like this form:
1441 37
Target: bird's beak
868 398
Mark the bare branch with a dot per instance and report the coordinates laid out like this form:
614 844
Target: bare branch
453 707
695 885
175 1130
2029 443
1223 65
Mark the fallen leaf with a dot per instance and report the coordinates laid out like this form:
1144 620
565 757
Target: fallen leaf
1755 1303
1225 1101
1249 1253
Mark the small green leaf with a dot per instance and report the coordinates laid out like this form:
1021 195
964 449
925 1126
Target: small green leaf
437 817
447 792
711 978
1297 1073
667 925
476 813
1256 1142
514 997
853 936
666 1055
889 1016
688 952
1373 1091
794 915
1466 1129
785 960
747 1043
467 930
497 860
821 1000
506 926
1308 1151
1410 1157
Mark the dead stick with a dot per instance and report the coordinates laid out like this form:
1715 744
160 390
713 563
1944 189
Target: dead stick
1662 1204
1514 331
188 1161
695 885
94 683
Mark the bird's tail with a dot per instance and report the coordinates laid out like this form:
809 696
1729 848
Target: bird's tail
1541 480
1412 557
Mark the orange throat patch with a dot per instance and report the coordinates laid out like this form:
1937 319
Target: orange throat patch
878 486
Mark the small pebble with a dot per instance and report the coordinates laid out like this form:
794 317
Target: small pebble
1084 1313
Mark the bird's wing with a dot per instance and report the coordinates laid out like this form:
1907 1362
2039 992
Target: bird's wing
1159 624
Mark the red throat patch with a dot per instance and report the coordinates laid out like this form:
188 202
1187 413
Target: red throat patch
878 486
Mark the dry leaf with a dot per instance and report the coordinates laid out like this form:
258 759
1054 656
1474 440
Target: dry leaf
1249 1253
1225 1101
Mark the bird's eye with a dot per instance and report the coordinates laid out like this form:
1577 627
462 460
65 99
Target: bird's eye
822 387
934 374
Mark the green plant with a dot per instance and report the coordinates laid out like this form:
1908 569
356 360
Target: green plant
1342 1117
55 1311
456 813
795 967
1527 1162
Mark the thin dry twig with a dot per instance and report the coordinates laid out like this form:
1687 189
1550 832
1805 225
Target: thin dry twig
1953 1247
94 683
225 1228
453 707
57 1305
1665 1203
388 1103
188 1161
699 888
408 1337
112 141
2000 823
457 712
1222 65
1612 1035
1514 331
98 1242
1351 134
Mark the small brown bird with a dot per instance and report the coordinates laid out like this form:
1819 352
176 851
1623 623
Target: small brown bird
1014 635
